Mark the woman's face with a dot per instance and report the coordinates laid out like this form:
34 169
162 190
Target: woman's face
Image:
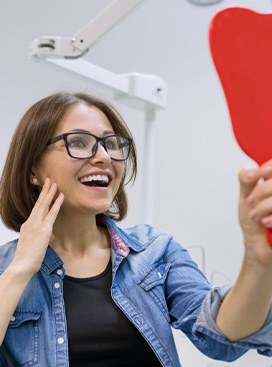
70 173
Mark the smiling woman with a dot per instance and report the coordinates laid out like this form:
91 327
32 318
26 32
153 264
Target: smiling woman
81 291
35 131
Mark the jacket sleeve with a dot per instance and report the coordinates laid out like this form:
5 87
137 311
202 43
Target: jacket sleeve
205 326
193 305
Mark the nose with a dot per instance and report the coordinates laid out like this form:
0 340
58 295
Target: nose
101 155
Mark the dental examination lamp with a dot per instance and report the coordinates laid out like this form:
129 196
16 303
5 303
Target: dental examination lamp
204 2
149 90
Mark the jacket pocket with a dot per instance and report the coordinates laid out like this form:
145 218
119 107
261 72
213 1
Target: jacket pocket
153 282
21 344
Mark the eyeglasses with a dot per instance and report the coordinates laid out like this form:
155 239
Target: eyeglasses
83 145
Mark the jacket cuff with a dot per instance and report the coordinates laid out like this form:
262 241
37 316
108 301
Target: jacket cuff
206 326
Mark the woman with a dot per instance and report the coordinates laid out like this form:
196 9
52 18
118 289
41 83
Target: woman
76 289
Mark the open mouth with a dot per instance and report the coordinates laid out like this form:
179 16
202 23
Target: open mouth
95 181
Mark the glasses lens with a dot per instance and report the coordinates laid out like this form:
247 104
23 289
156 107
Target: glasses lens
81 145
117 146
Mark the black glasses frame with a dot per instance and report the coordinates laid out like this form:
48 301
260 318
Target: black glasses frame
98 140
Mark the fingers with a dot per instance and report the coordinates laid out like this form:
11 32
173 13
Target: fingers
37 230
250 181
54 211
249 177
45 199
44 191
256 191
267 221
262 210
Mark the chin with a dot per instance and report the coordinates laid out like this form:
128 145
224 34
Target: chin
97 210
84 208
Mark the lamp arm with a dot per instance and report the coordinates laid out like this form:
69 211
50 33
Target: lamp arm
102 23
78 45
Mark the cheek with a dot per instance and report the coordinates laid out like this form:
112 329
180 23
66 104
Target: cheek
44 172
54 168
119 171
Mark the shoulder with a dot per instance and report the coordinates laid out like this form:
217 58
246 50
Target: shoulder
7 252
148 237
157 241
146 233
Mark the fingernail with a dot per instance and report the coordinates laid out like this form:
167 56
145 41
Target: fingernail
267 168
266 222
250 172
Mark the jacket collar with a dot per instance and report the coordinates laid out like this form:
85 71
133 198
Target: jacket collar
120 238
51 261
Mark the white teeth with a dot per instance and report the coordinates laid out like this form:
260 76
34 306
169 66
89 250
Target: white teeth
103 178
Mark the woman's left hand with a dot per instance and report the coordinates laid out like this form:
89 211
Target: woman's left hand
245 308
255 211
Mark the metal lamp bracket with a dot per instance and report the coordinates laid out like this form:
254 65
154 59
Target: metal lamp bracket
66 52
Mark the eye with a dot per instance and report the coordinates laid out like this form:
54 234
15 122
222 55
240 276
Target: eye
77 142
111 143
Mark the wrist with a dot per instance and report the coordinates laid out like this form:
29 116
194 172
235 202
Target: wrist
257 263
21 269
258 252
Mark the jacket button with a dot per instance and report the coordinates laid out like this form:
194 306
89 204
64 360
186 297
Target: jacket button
13 318
60 340
56 285
138 320
59 272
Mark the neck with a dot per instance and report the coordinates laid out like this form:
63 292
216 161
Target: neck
77 234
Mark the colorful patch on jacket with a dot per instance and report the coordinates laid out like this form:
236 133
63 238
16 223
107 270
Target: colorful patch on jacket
117 243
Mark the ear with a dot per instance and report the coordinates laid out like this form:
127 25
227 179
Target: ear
34 180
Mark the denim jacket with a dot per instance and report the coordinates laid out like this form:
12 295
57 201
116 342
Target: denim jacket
154 282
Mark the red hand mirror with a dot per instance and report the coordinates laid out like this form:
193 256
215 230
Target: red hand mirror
241 47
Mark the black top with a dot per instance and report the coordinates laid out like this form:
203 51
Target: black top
99 334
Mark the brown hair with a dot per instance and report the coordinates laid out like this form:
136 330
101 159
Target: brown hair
17 194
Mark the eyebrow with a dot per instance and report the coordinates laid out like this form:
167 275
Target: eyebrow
107 132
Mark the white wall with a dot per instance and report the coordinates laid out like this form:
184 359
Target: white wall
196 186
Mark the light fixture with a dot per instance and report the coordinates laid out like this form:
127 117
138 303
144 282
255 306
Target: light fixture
204 2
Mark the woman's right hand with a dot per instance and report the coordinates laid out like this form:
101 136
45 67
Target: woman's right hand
36 232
